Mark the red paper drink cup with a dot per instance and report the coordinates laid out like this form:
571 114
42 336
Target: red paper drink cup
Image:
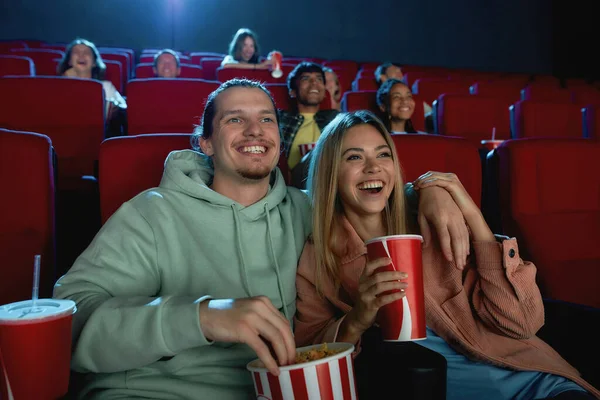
404 319
35 349
277 57
306 147
327 379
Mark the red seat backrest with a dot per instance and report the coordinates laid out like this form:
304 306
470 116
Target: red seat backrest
68 110
472 117
410 77
591 122
166 105
504 90
26 214
45 61
362 100
546 92
418 153
550 200
430 89
198 56
6 47
280 94
584 95
16 65
122 58
365 83
114 74
209 67
537 119
132 164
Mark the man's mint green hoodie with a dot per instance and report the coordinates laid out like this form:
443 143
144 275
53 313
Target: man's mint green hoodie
139 283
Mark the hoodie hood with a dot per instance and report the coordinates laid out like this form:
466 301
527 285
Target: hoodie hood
189 172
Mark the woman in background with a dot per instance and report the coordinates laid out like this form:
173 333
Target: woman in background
396 103
82 60
244 52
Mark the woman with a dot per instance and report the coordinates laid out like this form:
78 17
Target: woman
489 311
244 52
396 103
82 60
332 84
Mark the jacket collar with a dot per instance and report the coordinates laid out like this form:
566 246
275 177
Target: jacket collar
349 245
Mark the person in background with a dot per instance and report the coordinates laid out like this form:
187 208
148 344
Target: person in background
304 122
82 60
188 282
482 316
332 84
396 103
387 71
244 52
166 64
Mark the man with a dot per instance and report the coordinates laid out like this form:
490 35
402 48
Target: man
188 282
166 64
387 71
303 124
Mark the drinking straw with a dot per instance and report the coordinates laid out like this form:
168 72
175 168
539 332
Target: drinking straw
36 281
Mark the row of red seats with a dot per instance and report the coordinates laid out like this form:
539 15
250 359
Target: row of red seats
477 117
45 104
553 211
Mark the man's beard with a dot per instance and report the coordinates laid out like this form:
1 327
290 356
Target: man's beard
307 103
254 175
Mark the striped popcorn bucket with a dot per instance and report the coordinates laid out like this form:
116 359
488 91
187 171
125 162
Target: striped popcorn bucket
330 378
404 319
306 147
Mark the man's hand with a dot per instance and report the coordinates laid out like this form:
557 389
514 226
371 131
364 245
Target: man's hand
437 207
254 321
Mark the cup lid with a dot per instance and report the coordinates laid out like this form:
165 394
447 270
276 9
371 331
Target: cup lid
22 310
394 237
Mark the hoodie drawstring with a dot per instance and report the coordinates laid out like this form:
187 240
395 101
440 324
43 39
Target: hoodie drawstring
272 248
236 220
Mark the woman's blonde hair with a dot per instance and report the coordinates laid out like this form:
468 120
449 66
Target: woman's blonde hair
323 187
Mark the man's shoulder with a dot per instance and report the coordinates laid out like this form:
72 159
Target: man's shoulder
298 197
326 115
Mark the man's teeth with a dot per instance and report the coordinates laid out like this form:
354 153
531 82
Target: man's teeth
254 149
371 185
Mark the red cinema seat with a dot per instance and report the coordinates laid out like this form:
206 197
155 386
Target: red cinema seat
114 74
131 164
26 214
46 61
6 47
130 53
16 65
280 94
68 110
535 119
210 66
585 94
430 89
410 77
498 89
351 67
365 83
53 46
419 153
198 56
143 71
363 100
550 200
472 117
166 105
546 93
122 58
591 122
